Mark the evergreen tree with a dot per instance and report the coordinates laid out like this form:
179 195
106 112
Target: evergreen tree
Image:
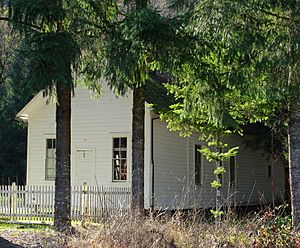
53 37
13 132
139 43
246 71
12 99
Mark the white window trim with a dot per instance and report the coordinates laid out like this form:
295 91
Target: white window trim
120 135
46 137
194 165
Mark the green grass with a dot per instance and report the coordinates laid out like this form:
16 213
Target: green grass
23 227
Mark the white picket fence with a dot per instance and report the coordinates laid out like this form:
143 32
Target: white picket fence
36 202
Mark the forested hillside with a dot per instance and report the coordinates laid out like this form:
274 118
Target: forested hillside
13 97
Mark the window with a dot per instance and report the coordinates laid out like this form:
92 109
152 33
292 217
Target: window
221 177
119 160
270 171
198 165
50 159
232 171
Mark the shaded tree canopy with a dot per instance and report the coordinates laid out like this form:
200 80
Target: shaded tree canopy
13 97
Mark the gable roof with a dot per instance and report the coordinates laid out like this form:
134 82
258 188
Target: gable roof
32 107
155 94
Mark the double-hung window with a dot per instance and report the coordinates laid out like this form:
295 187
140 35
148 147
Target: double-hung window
50 159
198 165
119 160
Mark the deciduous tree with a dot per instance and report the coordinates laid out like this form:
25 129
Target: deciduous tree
247 71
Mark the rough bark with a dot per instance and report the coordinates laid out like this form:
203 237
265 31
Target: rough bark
294 162
62 208
294 124
138 133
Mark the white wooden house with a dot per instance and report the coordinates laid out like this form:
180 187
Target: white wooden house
101 155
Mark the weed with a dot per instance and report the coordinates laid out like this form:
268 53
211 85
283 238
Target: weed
275 231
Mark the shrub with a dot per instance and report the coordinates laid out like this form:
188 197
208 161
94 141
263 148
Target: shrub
276 231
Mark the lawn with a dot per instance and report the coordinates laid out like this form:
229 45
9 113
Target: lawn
23 227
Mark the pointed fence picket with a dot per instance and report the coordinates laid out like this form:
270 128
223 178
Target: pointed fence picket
36 202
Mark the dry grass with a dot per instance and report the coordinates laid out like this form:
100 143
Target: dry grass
179 230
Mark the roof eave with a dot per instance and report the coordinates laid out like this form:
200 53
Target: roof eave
25 112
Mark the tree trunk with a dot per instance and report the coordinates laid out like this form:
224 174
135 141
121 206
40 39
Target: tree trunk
138 133
294 123
294 162
62 208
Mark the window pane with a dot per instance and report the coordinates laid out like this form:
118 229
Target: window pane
49 143
53 163
123 172
119 160
232 169
116 164
116 175
198 173
198 164
50 159
50 169
51 174
123 154
197 154
116 154
123 142
50 164
50 153
116 142
269 171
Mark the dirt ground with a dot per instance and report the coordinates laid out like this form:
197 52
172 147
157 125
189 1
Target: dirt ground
29 239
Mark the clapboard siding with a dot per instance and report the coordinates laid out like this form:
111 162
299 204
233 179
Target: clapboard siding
96 121
170 163
174 174
252 186
201 196
40 127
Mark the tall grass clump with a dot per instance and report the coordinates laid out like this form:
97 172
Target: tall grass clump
188 229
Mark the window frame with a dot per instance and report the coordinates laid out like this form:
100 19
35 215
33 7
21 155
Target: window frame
120 136
46 168
200 183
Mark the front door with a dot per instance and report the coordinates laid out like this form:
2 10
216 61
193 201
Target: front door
85 167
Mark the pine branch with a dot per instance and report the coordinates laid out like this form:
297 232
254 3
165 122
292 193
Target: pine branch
34 27
274 14
255 7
